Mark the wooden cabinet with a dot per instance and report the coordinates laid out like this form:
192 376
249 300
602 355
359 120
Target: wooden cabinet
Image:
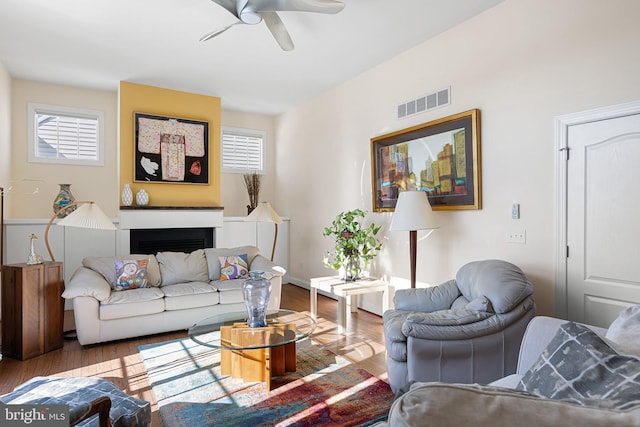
32 309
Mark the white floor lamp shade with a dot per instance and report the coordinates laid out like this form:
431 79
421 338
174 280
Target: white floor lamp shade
413 212
87 215
265 213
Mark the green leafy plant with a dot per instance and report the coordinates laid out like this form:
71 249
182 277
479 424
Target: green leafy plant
355 245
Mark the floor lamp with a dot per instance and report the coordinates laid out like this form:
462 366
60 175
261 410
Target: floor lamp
265 213
87 215
413 212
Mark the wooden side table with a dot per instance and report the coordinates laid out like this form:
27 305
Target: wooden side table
256 353
345 291
32 309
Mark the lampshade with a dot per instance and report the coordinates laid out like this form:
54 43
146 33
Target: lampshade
413 212
87 215
264 213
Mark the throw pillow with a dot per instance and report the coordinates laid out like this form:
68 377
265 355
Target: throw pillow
233 267
180 267
624 332
131 274
580 367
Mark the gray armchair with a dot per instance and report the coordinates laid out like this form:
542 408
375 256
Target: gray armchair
466 330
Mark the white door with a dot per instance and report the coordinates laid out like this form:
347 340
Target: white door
603 218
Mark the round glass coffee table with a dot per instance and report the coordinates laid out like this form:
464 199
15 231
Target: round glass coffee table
254 354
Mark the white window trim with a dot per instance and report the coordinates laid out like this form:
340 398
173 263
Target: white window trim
34 108
247 132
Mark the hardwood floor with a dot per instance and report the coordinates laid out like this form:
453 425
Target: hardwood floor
120 362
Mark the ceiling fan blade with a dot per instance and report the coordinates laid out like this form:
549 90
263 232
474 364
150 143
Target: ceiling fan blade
216 32
230 5
317 6
278 30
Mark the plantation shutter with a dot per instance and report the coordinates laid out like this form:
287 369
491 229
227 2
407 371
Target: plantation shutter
66 137
242 151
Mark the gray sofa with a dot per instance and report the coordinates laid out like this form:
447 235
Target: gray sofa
184 288
466 330
566 375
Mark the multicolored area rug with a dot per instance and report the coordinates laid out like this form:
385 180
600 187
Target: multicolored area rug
325 390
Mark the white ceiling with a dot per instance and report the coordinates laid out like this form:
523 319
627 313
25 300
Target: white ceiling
97 43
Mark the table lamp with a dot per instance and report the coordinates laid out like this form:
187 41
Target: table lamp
87 215
413 213
265 213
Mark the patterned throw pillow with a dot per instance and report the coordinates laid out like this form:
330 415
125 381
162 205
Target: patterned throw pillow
580 367
131 274
233 267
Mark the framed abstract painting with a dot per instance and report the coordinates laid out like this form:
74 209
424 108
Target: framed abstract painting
441 157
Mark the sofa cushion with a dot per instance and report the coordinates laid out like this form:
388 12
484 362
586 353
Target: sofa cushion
580 367
180 267
134 295
441 404
625 330
106 268
131 274
231 297
504 284
189 295
227 285
233 267
132 303
213 262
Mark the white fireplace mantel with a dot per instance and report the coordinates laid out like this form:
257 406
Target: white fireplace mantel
158 217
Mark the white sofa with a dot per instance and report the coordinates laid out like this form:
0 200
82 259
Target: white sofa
500 405
184 288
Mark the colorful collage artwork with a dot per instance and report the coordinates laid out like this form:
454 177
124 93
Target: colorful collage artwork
171 150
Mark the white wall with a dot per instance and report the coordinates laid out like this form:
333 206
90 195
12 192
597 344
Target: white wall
97 183
521 63
233 194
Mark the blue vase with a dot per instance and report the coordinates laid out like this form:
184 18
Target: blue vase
256 290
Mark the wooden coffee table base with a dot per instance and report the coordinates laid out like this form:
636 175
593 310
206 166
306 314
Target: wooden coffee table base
260 364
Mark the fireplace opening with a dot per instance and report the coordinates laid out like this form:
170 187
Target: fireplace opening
152 241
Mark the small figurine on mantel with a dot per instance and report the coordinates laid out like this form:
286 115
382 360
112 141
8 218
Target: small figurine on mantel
34 258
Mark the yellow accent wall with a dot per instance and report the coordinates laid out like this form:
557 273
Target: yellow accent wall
136 98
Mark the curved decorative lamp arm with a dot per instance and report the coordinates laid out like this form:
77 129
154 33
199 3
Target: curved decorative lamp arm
87 215
265 213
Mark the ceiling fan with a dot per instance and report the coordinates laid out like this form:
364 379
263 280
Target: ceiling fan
253 12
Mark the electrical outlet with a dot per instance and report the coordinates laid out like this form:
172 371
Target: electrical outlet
517 236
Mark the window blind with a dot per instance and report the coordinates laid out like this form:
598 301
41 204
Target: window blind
242 151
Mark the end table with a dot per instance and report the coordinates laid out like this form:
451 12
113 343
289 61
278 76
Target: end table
343 290
32 309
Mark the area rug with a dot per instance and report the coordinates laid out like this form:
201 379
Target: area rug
325 390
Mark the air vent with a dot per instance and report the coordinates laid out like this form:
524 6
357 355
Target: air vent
424 103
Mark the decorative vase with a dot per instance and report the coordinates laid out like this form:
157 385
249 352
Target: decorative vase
256 290
63 199
127 196
142 198
352 269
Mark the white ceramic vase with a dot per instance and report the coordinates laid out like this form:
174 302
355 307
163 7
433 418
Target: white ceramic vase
142 198
127 196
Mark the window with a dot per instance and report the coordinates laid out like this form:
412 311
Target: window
65 135
243 150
